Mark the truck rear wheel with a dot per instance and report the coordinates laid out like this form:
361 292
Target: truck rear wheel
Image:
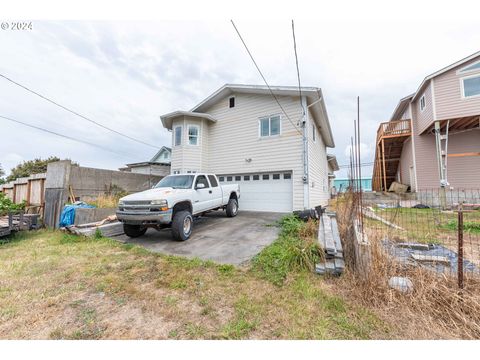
232 208
182 225
134 231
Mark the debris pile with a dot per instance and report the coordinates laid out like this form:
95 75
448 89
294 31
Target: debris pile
108 227
329 240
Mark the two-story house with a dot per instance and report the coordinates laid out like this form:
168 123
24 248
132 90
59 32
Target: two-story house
272 142
433 137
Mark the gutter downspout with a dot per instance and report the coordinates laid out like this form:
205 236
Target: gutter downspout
305 154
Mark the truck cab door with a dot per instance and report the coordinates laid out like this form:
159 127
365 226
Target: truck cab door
202 197
216 191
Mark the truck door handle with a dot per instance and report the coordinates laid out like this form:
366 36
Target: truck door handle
209 191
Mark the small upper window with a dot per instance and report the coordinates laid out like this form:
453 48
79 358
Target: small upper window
276 176
178 136
246 177
472 67
270 126
471 86
229 178
287 176
314 136
265 177
193 135
221 179
231 102
238 178
256 177
422 103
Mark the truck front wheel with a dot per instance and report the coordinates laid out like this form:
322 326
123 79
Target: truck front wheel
134 231
182 225
232 208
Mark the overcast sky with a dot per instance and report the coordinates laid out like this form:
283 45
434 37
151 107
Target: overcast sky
126 74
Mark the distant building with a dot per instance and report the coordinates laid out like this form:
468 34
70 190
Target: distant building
157 165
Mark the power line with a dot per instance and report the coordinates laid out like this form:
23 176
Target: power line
77 114
298 69
263 77
64 136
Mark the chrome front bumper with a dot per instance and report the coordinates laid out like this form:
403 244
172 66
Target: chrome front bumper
145 217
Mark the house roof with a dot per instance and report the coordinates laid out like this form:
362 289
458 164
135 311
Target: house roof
332 161
168 118
146 163
164 148
398 110
313 94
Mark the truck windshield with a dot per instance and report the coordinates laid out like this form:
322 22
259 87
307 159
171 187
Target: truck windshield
176 182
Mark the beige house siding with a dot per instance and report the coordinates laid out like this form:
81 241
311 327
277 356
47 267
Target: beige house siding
318 167
425 155
235 138
189 157
464 172
448 94
424 118
406 160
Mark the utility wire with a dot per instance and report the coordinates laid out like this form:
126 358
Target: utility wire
298 69
64 136
263 77
77 114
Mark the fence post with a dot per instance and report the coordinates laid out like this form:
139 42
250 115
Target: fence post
460 246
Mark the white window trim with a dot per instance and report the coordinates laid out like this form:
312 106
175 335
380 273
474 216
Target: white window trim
420 103
175 137
462 70
269 117
188 135
463 89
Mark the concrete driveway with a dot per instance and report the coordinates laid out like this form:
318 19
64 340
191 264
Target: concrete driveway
216 237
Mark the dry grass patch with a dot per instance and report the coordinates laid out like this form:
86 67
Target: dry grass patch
59 286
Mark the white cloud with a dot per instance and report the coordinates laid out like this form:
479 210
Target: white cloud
126 74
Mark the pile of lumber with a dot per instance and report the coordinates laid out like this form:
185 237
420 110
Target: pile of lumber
108 227
16 222
331 245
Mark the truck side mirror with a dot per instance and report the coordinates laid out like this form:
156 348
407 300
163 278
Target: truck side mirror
200 186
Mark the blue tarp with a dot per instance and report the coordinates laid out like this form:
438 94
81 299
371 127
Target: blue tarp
67 217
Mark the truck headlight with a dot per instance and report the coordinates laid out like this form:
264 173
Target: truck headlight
121 203
162 202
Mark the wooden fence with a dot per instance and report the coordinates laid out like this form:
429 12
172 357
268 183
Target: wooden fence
29 189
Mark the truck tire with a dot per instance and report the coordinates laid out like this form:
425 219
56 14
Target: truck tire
134 231
232 208
182 225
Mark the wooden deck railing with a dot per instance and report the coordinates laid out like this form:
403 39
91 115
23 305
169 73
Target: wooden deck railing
394 128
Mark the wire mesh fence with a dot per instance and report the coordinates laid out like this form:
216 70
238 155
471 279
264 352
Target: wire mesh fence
437 230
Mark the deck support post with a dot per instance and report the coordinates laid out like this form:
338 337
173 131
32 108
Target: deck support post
383 166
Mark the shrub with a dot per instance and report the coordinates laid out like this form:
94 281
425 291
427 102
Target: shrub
296 249
7 205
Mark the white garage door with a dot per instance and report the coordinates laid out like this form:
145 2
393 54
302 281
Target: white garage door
263 191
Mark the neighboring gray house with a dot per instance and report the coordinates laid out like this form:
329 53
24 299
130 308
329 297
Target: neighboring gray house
241 134
332 167
158 165
433 136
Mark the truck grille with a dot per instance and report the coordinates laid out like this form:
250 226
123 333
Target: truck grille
136 202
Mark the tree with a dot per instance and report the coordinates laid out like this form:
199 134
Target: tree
2 173
30 167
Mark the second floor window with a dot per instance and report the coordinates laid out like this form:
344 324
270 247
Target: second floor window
193 135
178 136
422 103
270 126
471 86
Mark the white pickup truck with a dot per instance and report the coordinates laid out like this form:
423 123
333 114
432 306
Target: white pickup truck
173 203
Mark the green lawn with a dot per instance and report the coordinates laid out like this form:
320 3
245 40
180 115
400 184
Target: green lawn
59 286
